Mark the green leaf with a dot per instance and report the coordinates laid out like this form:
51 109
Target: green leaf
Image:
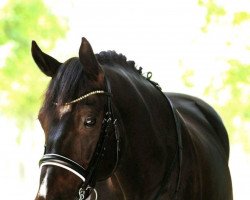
240 17
22 84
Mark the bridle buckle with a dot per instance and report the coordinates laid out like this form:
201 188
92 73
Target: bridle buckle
81 194
85 193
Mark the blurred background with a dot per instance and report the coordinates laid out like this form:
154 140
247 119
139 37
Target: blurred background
198 47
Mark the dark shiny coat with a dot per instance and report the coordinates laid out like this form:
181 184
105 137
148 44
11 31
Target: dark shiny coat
155 163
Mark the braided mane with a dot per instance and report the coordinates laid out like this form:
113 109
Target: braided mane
111 57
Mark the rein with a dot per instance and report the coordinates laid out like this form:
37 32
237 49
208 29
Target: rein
109 126
179 151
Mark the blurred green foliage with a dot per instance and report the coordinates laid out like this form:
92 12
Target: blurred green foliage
186 78
241 17
213 12
22 83
236 110
232 96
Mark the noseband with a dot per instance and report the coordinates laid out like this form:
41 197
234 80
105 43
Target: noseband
109 126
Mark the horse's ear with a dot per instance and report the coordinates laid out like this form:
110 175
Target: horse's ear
46 63
88 60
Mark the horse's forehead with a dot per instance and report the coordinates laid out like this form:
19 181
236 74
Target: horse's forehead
63 109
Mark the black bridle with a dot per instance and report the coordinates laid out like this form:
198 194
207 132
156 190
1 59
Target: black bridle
109 127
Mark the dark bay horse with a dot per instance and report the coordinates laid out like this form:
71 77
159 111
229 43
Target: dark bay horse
111 134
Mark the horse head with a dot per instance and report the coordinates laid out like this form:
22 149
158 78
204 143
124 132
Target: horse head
78 123
174 146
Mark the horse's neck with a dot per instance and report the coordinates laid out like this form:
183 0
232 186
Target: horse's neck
149 138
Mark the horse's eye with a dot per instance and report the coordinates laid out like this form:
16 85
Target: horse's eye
90 121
